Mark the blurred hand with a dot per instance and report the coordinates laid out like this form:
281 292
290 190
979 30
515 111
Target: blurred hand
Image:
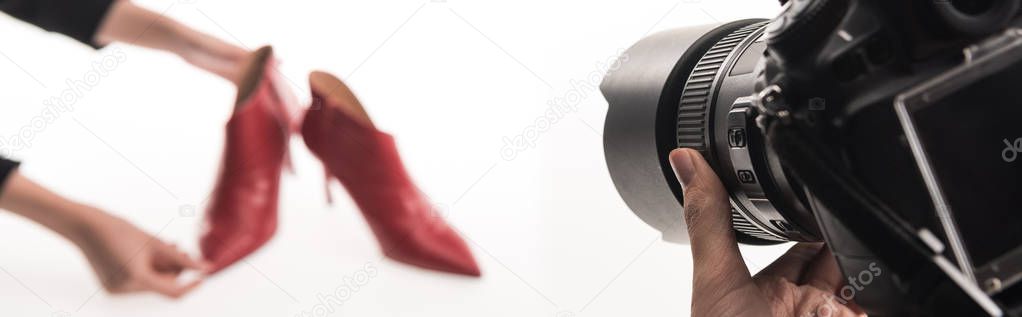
127 259
802 283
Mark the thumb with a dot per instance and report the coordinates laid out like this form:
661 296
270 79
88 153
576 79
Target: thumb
708 215
185 261
168 259
167 285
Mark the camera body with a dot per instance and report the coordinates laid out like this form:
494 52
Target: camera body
885 128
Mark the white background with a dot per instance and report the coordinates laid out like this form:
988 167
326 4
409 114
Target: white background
449 79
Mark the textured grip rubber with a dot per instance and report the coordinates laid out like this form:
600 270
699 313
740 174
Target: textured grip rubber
696 97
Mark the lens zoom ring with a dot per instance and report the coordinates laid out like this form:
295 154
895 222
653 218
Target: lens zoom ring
695 98
695 104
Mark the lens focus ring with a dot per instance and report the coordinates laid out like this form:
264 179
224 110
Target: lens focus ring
694 116
696 96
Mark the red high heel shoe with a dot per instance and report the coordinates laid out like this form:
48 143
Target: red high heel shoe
339 132
242 214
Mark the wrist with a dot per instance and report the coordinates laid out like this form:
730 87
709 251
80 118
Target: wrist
83 222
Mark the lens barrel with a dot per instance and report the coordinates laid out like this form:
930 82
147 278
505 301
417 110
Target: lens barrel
690 88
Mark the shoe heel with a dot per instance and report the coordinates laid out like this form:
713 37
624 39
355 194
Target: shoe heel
326 186
288 163
290 110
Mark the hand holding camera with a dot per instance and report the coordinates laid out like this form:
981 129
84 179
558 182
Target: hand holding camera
805 281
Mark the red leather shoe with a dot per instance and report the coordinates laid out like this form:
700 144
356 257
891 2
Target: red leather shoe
242 214
338 131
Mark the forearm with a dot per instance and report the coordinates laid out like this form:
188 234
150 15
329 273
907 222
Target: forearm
24 197
129 23
132 24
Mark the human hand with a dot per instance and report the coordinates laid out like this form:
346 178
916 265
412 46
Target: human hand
801 283
124 258
127 260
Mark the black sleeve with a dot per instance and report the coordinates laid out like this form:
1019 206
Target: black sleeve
78 19
6 168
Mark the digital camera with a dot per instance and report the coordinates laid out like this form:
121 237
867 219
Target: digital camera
890 129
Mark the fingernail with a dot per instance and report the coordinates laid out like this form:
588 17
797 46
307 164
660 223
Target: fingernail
681 162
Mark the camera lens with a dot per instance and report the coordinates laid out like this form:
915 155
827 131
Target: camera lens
691 88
